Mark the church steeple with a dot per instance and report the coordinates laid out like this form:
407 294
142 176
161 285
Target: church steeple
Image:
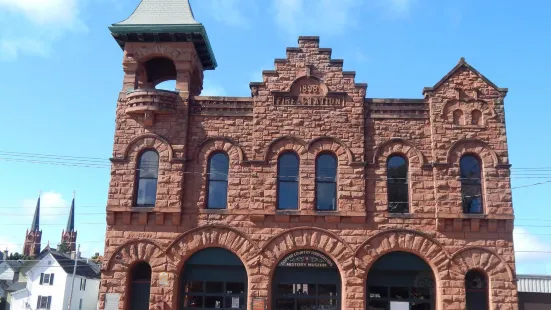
35 226
33 237
69 235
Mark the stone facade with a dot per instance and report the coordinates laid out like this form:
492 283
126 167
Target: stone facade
362 132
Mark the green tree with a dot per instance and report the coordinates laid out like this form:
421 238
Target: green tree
17 256
63 247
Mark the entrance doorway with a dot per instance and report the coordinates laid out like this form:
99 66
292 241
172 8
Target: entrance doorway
400 281
213 278
306 280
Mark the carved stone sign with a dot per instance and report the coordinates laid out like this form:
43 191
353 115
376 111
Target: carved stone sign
163 279
309 92
307 258
258 304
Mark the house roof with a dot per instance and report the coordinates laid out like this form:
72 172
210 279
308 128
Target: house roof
16 286
161 12
165 21
463 64
84 269
534 284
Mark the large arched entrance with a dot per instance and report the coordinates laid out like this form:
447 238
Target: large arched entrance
306 280
213 278
400 281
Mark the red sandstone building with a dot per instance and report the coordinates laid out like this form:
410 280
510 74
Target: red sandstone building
305 195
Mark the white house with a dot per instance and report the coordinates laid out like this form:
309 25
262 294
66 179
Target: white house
49 284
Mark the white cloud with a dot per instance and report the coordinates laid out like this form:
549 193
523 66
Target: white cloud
212 89
5 244
31 26
309 17
52 206
62 13
528 247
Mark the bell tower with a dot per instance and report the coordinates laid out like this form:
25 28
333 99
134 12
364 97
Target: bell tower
161 41
69 235
33 236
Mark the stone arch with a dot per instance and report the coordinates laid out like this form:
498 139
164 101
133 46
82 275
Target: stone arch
284 143
482 259
335 145
467 106
306 78
398 146
143 54
209 236
472 146
152 141
212 144
411 241
313 238
133 251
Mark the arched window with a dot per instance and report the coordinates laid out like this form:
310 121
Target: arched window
397 184
140 284
476 117
458 118
218 168
326 182
148 172
287 181
476 290
471 184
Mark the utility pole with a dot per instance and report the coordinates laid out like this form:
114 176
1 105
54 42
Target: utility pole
74 274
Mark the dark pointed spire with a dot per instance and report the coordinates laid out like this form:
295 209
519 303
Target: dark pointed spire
71 220
36 219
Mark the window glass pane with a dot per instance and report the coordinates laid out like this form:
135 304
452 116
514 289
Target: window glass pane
285 304
397 170
147 191
149 164
420 306
420 293
193 301
306 303
328 304
398 198
218 196
327 290
326 196
471 198
285 289
193 287
214 287
287 167
399 292
378 305
214 301
378 292
218 167
326 168
235 288
287 196
470 170
235 302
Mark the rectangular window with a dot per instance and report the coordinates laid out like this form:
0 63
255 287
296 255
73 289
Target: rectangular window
80 304
47 279
82 284
44 302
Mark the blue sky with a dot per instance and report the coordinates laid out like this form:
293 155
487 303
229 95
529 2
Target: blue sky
61 74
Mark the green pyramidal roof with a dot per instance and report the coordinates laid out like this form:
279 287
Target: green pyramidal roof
165 21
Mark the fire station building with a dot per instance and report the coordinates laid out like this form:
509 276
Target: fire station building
307 194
